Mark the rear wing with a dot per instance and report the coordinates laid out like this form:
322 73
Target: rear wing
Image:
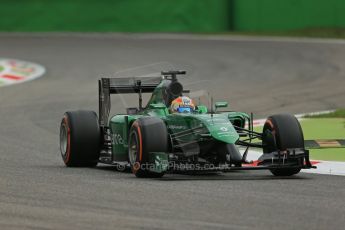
108 86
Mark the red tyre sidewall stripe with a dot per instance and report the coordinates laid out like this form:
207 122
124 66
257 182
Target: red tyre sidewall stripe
140 157
68 152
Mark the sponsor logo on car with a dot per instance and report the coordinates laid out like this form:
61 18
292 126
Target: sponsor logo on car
224 129
176 127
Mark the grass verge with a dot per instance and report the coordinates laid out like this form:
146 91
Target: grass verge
325 128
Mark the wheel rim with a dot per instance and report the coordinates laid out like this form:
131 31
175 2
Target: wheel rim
133 148
63 139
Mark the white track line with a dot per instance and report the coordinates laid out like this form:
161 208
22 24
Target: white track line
323 167
261 122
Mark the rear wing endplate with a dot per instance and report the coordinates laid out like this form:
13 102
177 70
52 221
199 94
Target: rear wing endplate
108 86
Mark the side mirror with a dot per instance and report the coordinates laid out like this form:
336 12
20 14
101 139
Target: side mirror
221 104
201 109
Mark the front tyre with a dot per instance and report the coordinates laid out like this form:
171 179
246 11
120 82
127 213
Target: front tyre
147 134
280 133
80 139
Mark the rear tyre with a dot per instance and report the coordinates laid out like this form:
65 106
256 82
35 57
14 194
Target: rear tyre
80 139
281 132
147 134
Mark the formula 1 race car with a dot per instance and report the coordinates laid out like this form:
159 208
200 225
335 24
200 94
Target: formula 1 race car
153 140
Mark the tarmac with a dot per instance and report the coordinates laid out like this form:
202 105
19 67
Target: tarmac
260 75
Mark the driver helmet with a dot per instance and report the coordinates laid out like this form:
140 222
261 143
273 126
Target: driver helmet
182 104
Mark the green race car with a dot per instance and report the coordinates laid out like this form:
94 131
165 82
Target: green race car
153 140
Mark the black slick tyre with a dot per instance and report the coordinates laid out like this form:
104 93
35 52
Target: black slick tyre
80 139
281 132
147 134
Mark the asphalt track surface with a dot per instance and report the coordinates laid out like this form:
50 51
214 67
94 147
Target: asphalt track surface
255 75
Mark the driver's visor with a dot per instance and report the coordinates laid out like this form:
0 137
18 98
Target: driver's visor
184 109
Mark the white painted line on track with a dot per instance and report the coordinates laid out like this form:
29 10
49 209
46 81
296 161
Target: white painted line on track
328 168
261 122
323 167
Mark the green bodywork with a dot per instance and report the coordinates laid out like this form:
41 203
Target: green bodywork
212 126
